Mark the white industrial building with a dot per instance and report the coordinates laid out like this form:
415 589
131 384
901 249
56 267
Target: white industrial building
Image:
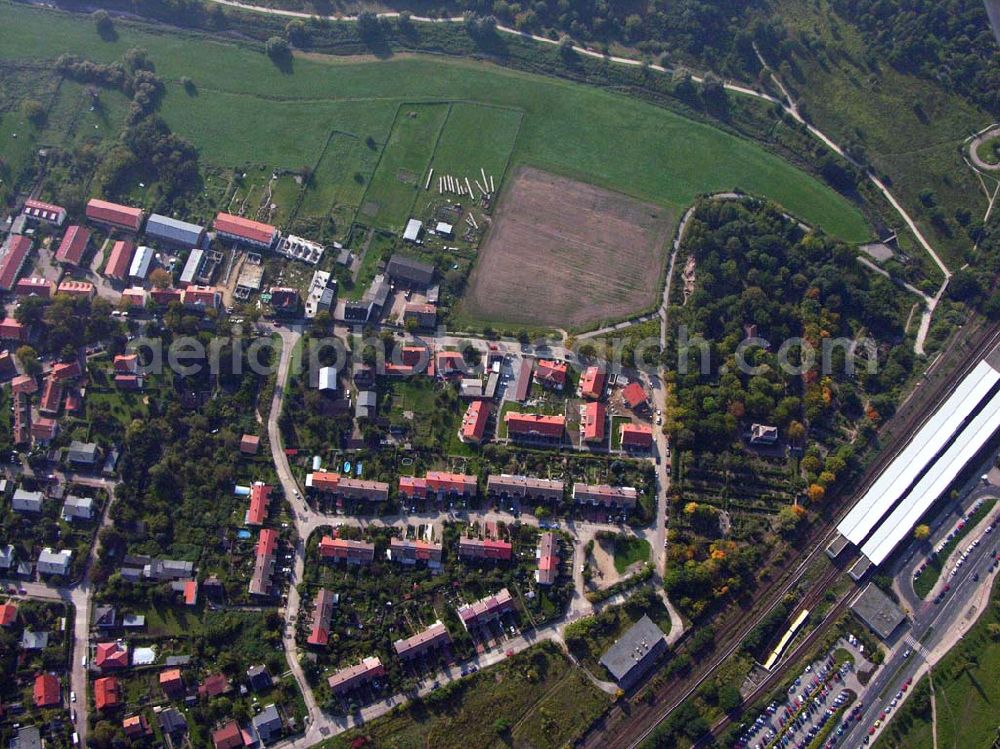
921 473
141 261
192 267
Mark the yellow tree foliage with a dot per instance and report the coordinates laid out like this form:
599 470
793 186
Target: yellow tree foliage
815 492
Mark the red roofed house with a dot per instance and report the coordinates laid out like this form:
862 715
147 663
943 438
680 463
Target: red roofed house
34 286
12 262
51 397
202 297
409 552
594 416
592 383
354 676
166 296
126 363
74 244
260 495
8 614
323 481
263 569
24 384
343 550
115 214
12 330
474 422
548 559
550 374
228 737
106 692
637 436
44 429
249 444
134 296
244 230
110 655
191 593
171 683
47 691
76 289
63 371
47 212
136 726
120 260
213 686
319 635
435 636
485 610
534 426
635 397
128 382
457 484
474 548
449 364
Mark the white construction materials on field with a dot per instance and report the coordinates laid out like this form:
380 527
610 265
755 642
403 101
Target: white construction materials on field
440 185
483 172
492 188
474 224
427 184
469 187
481 188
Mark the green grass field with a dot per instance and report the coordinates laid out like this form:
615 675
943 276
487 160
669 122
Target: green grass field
401 170
628 551
246 111
476 137
989 150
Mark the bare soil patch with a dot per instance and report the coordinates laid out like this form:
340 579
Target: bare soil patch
605 574
568 254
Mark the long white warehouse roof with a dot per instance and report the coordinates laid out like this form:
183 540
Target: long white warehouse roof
934 483
929 440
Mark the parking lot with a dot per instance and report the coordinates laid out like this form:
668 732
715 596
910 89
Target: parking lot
821 693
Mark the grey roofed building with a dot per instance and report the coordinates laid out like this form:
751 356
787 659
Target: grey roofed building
172 721
365 407
267 724
192 266
167 569
878 611
177 660
28 737
6 556
34 640
174 231
414 228
25 501
105 617
259 677
407 270
54 562
78 508
635 652
111 461
134 621
82 452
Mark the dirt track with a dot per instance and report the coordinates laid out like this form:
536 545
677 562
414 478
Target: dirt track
568 254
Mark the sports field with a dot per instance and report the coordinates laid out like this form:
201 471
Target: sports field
565 253
246 111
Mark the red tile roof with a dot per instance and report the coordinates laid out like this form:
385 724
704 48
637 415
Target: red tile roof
449 363
458 483
634 395
120 260
110 655
44 428
213 686
171 681
135 725
44 211
260 495
548 559
342 548
51 396
412 486
75 288
550 372
191 593
207 296
36 285
134 296
18 247
47 691
594 417
166 296
474 422
63 371
534 424
474 548
322 612
352 676
637 435
324 481
73 245
8 614
24 384
228 737
106 693
126 363
592 383
244 228
260 583
12 329
249 444
105 212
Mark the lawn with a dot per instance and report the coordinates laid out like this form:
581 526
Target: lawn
628 551
666 158
989 150
402 169
535 699
923 584
476 137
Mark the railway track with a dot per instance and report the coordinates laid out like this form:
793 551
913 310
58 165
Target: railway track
627 728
